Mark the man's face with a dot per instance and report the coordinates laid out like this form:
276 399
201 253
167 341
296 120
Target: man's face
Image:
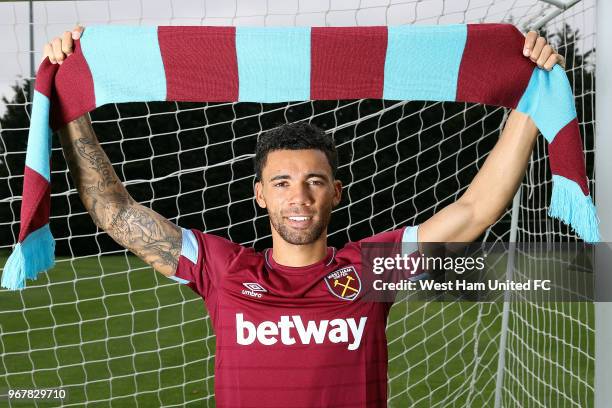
299 191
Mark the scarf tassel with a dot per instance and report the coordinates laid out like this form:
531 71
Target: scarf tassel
35 254
569 204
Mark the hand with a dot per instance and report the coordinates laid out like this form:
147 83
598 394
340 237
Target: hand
540 52
61 47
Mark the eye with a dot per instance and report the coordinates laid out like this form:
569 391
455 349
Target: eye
316 182
280 184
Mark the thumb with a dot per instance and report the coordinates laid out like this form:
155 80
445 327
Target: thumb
76 32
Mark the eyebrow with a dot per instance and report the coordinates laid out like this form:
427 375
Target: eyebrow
288 177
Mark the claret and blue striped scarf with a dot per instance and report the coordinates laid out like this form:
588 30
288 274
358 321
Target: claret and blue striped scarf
478 63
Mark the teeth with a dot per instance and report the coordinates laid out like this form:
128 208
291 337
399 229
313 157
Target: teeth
299 218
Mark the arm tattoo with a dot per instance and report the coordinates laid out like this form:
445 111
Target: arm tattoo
153 238
89 150
135 228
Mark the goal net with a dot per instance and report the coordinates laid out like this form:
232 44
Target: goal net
104 327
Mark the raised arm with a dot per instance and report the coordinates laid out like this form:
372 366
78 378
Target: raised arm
147 234
490 192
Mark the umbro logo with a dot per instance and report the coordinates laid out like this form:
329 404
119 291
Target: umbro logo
254 289
254 286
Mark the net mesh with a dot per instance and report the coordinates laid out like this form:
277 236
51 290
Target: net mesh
103 327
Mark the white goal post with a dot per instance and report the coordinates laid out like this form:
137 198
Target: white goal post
603 168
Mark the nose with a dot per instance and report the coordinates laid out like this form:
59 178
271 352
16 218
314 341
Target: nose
300 195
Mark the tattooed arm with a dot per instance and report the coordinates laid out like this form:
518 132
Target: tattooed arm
147 234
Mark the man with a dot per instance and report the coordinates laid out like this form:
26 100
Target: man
292 327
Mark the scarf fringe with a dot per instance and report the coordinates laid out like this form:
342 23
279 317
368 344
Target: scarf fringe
569 204
35 254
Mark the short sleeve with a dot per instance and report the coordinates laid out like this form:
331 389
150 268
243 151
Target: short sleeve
410 247
410 240
408 236
203 260
405 242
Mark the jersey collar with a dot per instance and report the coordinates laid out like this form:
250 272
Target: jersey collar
299 270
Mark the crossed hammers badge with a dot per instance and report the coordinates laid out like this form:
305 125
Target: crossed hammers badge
344 283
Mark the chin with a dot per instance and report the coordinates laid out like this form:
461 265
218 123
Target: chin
299 238
302 239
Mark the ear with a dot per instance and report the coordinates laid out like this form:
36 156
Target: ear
337 192
259 197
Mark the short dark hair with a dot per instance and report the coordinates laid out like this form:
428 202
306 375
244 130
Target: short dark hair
295 136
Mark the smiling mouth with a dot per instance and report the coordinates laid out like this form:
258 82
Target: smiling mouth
300 218
299 221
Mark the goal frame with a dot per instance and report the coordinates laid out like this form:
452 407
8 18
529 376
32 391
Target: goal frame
603 167
603 170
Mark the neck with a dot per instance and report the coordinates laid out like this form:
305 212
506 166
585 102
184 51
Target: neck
288 254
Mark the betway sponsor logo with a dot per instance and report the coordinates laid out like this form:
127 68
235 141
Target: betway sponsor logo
290 329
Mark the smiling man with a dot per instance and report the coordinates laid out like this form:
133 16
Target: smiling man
292 327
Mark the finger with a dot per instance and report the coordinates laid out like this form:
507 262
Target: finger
48 53
537 49
57 50
554 59
67 42
550 63
530 40
547 51
76 32
51 54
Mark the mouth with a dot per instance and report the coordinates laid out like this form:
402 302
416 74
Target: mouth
299 221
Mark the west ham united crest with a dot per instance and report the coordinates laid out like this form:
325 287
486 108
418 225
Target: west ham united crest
344 283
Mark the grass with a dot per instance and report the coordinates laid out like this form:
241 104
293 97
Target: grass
138 339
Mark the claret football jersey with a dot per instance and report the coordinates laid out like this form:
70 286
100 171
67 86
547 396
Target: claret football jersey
299 337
